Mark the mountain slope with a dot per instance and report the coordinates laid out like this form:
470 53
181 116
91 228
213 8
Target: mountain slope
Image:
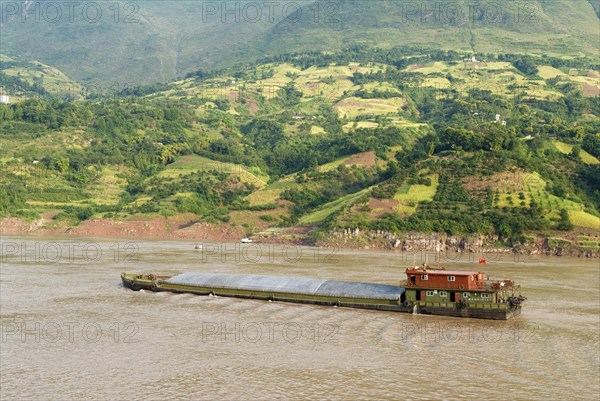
542 26
151 41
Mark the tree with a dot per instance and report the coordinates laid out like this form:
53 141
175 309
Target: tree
12 197
265 133
575 152
564 223
591 143
526 65
290 96
62 164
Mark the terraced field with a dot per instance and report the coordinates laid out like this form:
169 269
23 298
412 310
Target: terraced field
518 189
353 107
408 196
196 164
271 193
566 149
326 210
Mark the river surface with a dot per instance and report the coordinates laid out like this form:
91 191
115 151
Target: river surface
70 331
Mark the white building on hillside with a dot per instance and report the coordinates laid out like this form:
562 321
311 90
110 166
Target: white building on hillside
472 59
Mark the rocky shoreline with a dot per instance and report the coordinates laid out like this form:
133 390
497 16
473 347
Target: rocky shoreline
438 243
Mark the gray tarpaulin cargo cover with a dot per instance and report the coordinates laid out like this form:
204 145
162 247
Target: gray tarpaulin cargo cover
290 285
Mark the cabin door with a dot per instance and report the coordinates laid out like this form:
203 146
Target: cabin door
457 297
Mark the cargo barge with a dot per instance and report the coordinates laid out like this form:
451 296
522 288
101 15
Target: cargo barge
427 290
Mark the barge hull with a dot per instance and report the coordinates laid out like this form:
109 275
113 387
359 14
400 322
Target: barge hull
477 313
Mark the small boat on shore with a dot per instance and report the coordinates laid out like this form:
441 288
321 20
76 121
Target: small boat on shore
434 291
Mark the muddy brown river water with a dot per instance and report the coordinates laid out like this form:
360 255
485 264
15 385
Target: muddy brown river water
70 331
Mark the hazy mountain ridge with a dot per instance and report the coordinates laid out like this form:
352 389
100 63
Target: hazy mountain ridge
157 41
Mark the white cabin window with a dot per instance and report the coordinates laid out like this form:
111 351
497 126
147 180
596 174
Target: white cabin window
443 293
465 294
430 293
451 278
485 295
424 277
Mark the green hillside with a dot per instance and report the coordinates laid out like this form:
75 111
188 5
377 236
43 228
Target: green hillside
506 146
129 43
22 79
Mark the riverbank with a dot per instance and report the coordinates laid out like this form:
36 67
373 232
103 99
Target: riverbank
167 228
183 228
